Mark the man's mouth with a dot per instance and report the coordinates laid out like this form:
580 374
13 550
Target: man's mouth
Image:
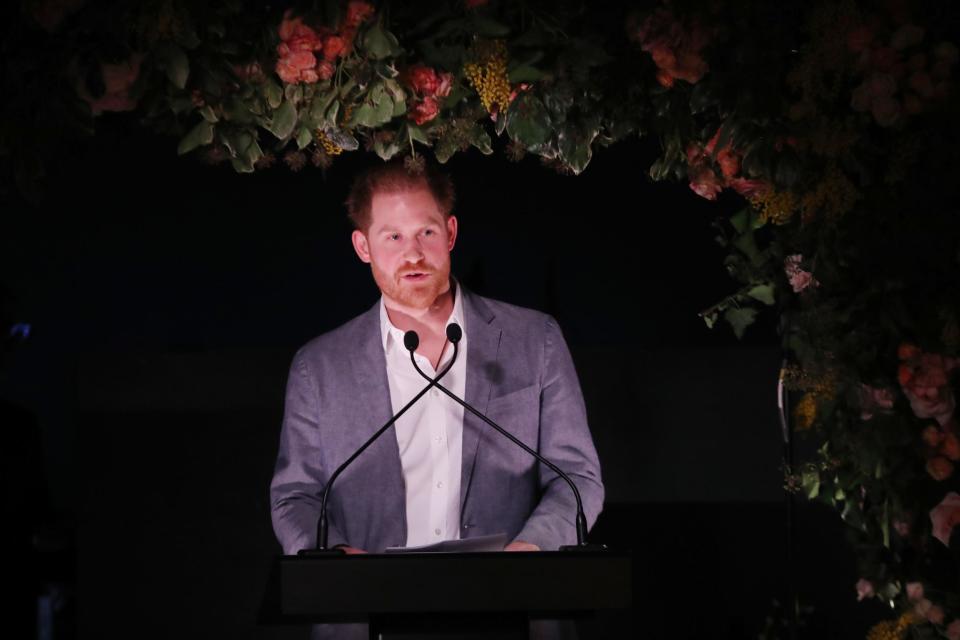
415 276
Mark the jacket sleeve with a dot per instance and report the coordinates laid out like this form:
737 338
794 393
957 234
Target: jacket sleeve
565 440
299 477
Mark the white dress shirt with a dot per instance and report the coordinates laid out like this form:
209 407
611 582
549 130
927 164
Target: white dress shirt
429 434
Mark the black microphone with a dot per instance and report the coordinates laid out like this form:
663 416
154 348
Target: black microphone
454 334
411 341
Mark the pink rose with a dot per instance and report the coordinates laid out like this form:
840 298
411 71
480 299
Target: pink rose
859 39
935 615
297 67
875 400
705 182
676 49
325 70
445 84
886 111
945 516
729 162
953 630
909 35
333 46
914 591
118 79
422 79
358 12
939 468
799 278
902 527
748 188
424 110
924 378
864 589
948 52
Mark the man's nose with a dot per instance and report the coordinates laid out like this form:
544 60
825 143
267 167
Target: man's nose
412 251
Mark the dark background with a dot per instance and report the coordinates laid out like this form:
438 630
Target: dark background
166 299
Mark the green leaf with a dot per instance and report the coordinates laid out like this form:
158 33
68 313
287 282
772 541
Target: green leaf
525 73
380 43
245 160
207 113
740 318
201 134
304 137
575 146
174 63
284 120
885 523
810 482
481 140
341 138
529 122
763 293
273 93
417 133
293 92
740 221
852 516
387 150
489 28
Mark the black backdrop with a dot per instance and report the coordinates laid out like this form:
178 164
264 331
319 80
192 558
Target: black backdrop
167 297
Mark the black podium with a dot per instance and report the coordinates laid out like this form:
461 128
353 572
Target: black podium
449 595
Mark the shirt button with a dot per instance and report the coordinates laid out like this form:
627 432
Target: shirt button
439 438
436 531
440 485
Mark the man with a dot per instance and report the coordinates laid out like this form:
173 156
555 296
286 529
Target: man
439 474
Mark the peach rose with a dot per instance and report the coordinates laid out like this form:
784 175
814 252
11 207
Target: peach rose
864 589
939 468
950 447
932 436
945 516
875 400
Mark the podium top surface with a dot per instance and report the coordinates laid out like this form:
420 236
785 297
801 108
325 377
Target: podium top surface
354 587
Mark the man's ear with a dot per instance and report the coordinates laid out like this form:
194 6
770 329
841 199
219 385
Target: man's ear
451 232
361 245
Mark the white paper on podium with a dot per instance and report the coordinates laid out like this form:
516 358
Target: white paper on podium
492 542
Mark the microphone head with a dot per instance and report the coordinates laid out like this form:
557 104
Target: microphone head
411 340
454 332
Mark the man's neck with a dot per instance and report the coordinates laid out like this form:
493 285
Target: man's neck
432 319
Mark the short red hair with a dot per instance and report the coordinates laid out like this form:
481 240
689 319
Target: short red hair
394 177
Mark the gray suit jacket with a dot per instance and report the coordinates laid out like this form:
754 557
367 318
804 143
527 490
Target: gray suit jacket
519 373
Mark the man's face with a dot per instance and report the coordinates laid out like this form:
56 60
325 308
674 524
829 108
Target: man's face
408 247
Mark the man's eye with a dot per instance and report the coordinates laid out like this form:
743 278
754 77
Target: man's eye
393 236
428 232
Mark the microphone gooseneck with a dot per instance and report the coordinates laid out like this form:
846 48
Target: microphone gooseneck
454 331
411 341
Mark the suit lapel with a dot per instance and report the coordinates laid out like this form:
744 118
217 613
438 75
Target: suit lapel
483 345
370 374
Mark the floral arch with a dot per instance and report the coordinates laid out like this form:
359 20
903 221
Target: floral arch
834 121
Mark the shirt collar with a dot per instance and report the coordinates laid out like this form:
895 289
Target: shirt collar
392 335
